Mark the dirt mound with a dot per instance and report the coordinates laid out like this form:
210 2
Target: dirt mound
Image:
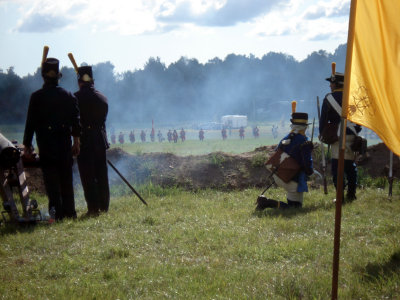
215 170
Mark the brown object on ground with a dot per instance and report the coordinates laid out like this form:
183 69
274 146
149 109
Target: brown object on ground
215 170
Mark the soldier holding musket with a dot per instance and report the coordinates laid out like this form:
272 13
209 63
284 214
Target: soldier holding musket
92 161
53 115
331 113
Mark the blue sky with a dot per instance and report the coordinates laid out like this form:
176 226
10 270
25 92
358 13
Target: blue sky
128 32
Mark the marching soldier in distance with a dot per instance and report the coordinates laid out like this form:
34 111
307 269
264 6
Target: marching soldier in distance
175 136
53 115
121 138
223 133
331 113
169 135
132 136
241 133
201 134
160 136
182 135
92 160
143 136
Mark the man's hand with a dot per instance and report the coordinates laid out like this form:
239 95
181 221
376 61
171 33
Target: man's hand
308 145
28 150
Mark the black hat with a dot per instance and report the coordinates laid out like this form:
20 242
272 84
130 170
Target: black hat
50 68
299 118
336 78
85 73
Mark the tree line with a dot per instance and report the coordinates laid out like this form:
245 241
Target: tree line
189 91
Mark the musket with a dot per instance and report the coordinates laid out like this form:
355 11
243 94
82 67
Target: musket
322 154
312 131
126 181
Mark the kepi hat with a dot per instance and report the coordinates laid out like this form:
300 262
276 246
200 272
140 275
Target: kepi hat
299 118
50 68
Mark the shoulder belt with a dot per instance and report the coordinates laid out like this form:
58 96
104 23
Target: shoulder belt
338 109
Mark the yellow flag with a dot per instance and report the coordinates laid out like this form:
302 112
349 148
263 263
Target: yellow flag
372 79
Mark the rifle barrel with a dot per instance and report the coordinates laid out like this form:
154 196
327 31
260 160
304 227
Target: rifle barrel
126 181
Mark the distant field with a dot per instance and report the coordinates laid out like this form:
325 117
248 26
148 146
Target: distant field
192 146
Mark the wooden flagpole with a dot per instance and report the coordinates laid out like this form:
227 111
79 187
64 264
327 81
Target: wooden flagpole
342 144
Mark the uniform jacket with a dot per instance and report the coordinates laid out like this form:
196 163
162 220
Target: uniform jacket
93 108
53 115
329 114
301 152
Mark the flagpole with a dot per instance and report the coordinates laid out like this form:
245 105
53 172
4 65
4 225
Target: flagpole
390 173
342 144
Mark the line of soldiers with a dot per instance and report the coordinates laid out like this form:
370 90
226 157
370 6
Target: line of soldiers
55 115
172 136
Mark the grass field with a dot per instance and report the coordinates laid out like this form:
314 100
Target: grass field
207 245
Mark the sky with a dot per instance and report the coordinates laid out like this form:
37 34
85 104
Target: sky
128 32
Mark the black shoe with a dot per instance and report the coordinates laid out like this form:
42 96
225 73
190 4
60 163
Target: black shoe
350 197
263 203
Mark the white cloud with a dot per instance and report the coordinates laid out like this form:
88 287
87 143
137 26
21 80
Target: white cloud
331 9
322 21
123 16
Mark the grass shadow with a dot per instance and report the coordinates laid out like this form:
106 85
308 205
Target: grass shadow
292 212
13 228
376 271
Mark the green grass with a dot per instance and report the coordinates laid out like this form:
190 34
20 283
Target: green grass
207 245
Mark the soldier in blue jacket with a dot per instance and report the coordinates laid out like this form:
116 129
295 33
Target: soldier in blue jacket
92 161
53 115
298 147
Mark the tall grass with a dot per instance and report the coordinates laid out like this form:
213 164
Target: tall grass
207 245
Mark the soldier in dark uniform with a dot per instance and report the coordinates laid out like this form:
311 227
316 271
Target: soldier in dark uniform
241 133
92 161
183 135
132 136
201 134
143 136
329 114
223 133
160 136
169 135
175 136
121 138
53 115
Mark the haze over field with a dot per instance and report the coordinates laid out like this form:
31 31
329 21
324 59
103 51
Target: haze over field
177 61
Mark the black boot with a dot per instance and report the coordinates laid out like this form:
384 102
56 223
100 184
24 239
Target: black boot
351 196
263 203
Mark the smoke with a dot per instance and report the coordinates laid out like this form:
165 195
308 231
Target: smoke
187 93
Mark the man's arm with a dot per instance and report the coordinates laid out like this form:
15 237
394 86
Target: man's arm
29 126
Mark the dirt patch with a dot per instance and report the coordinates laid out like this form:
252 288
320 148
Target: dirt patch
215 170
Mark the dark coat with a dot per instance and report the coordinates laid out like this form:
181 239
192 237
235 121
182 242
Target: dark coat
329 114
93 107
53 115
